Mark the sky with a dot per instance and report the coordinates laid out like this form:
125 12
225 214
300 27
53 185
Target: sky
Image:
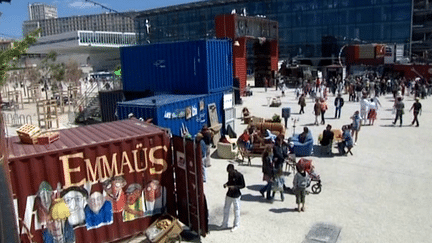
16 12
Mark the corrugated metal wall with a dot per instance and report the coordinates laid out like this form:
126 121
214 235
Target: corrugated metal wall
141 153
8 227
108 104
145 108
192 67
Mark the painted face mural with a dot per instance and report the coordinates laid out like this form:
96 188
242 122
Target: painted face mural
114 188
154 195
76 199
134 206
58 229
98 211
43 202
96 201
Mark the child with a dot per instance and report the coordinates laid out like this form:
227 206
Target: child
300 183
278 186
347 140
356 125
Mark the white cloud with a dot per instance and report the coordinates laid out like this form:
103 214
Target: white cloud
81 4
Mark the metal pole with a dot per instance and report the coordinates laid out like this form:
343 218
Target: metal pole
197 190
187 182
411 29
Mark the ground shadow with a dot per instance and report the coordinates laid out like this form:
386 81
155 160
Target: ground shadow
387 119
391 125
191 236
389 109
255 187
318 152
214 227
254 198
308 124
283 210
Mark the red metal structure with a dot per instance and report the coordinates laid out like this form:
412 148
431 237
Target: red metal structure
241 29
113 159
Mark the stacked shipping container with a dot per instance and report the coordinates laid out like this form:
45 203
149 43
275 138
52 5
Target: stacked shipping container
193 67
185 78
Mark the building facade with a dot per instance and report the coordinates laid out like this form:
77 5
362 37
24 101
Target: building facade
39 11
112 22
306 27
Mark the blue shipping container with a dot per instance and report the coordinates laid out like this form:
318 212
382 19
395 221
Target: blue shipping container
174 111
187 67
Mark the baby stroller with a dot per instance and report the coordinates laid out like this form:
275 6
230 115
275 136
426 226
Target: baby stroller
309 168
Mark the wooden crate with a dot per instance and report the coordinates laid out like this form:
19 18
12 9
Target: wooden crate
28 130
29 140
163 229
48 137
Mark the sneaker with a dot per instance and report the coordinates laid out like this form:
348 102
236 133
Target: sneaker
234 228
303 209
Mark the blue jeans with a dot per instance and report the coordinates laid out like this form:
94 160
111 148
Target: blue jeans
267 188
338 112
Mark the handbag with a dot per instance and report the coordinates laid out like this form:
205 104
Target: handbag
278 184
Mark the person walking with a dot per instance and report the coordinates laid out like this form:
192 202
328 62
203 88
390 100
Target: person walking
339 102
280 153
317 110
234 184
324 108
372 114
399 106
300 183
356 124
267 169
417 110
302 103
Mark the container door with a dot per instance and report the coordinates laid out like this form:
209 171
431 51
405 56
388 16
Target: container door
229 111
191 202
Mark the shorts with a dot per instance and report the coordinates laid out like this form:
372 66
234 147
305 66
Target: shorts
300 195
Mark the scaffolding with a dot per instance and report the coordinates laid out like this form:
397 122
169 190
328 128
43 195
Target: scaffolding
47 113
17 97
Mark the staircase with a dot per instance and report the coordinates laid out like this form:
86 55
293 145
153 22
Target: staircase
87 107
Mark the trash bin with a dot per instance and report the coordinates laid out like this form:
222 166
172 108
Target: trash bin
286 113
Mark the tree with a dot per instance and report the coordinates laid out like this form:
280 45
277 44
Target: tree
73 72
9 58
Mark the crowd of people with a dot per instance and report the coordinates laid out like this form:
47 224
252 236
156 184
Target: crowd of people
275 155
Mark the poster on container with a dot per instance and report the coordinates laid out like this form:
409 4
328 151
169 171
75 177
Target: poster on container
98 183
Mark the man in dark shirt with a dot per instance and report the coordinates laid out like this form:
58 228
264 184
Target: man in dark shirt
417 109
327 139
234 184
339 102
279 153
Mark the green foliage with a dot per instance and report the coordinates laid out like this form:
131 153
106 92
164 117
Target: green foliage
276 118
9 58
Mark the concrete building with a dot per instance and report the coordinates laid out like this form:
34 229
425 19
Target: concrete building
5 44
39 11
97 49
112 22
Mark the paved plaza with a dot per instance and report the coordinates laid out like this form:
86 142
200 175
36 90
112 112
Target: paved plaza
379 194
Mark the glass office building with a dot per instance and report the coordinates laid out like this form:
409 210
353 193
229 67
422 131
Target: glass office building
304 25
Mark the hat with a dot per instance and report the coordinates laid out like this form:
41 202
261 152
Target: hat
417 98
